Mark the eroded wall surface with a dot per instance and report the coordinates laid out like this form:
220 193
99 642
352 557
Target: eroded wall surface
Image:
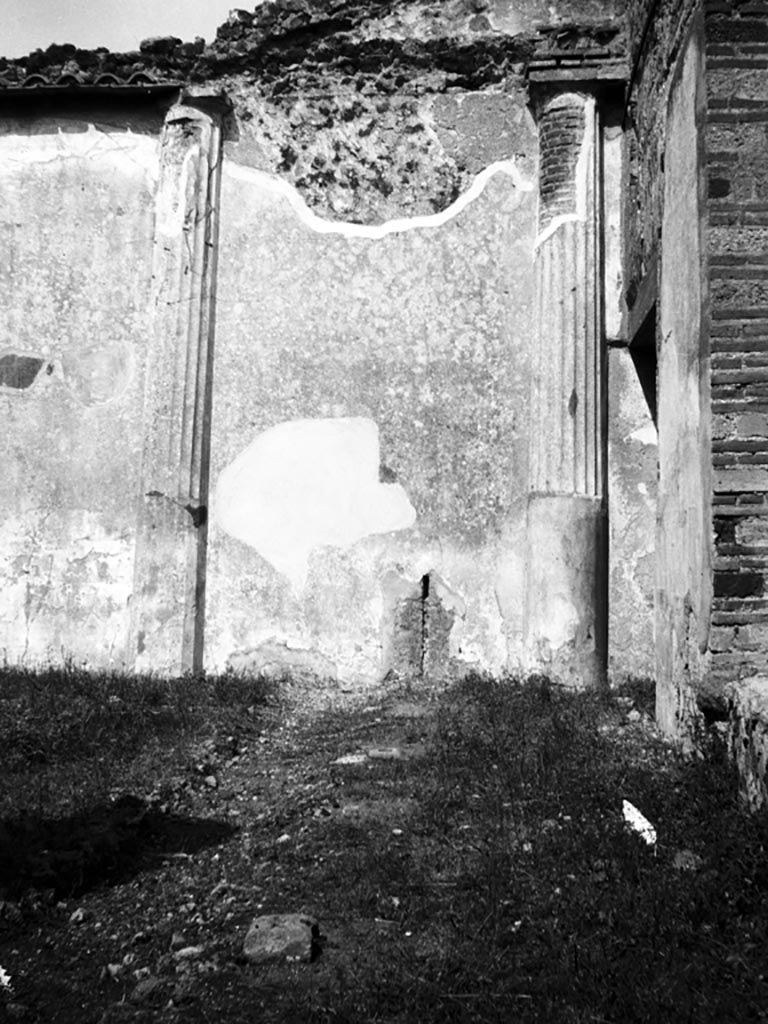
369 431
655 32
632 493
76 240
684 546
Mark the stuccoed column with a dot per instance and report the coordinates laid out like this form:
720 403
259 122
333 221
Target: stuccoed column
565 618
169 578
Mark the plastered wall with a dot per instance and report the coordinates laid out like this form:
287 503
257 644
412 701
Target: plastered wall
371 294
370 404
370 420
371 432
76 226
632 495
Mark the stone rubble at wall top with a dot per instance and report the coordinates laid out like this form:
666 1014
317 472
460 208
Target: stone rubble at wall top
281 40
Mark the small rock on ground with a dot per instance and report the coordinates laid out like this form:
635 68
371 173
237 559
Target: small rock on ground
145 989
384 753
280 937
351 759
687 860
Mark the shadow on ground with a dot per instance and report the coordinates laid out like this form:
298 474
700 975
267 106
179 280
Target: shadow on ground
106 844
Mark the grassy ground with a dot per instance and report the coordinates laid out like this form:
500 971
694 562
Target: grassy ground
485 873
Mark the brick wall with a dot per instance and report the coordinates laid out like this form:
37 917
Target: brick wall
737 139
656 29
561 130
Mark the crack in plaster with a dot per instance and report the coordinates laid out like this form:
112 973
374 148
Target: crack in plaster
52 147
270 183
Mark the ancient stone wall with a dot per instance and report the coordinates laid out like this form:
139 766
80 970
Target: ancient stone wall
683 538
712 623
656 30
370 284
370 423
667 325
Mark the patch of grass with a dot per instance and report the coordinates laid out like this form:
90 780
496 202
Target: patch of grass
490 879
526 896
69 736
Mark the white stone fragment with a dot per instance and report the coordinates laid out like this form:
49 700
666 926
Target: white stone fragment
639 823
351 759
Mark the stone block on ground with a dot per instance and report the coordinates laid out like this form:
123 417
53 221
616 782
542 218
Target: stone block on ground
276 937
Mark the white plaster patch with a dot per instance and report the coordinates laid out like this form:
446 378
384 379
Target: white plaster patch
268 183
645 435
306 484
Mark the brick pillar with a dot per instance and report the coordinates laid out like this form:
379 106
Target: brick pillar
566 588
169 577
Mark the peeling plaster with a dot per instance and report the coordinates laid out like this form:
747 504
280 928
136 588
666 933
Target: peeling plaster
57 599
277 186
307 484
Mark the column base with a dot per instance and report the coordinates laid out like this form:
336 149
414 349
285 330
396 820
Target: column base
565 619
166 624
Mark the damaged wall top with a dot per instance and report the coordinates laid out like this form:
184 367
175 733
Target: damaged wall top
371 113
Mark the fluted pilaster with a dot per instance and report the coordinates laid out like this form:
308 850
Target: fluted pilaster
565 617
169 579
566 410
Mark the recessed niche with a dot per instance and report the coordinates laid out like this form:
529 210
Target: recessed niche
19 372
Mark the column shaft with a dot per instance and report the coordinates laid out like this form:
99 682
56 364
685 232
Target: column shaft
566 613
169 578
